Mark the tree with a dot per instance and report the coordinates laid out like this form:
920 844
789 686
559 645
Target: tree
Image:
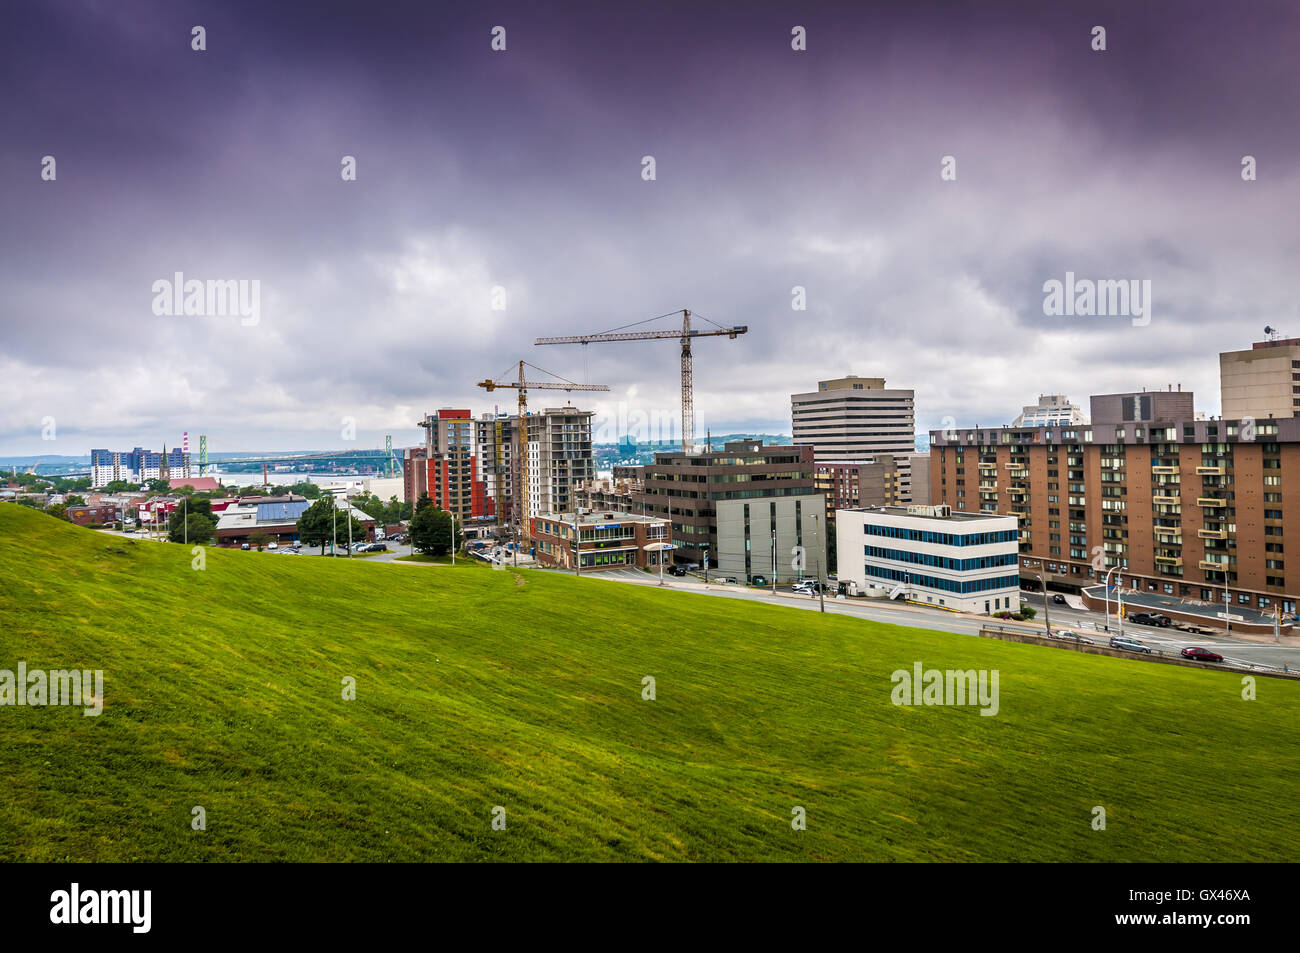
260 539
57 509
158 486
306 488
191 525
120 486
431 531
316 525
74 500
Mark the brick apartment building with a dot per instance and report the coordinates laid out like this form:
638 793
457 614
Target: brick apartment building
99 515
1186 507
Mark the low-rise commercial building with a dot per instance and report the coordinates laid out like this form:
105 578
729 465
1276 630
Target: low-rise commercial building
277 517
605 540
967 562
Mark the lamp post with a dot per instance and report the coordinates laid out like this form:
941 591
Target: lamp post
1106 586
773 557
821 588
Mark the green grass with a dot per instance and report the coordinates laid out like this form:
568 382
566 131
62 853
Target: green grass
523 689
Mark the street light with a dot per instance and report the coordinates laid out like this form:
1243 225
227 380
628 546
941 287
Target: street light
1047 616
1106 587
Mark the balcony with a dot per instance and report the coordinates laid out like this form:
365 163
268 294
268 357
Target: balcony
1212 533
989 466
1166 500
1209 471
1210 502
1164 470
1174 536
1169 560
1206 566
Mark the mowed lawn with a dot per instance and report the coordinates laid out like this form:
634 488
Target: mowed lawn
478 688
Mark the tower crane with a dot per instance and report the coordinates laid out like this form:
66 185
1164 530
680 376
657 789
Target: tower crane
522 387
688 374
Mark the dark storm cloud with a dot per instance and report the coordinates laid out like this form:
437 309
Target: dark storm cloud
522 170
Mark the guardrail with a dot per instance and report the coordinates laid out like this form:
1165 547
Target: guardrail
1063 639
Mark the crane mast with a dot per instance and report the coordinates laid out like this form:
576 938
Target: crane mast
522 386
685 336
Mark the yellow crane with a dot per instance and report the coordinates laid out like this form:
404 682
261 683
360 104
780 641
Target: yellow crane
522 386
685 335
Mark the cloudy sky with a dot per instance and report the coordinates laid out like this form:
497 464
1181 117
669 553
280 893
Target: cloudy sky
522 170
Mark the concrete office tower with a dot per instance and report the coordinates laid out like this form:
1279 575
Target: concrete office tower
1262 382
854 418
857 421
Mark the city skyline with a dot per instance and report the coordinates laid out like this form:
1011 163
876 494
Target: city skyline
522 170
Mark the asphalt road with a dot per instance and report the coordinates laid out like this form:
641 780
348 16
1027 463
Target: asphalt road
1169 640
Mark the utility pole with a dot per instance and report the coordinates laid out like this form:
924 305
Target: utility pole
334 524
347 513
577 568
1227 612
1047 614
185 519
1119 612
821 587
774 556
453 537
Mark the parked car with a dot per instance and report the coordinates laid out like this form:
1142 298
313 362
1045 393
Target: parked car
1128 645
244 546
376 548
723 579
272 546
675 571
1150 618
1200 654
1059 599
758 581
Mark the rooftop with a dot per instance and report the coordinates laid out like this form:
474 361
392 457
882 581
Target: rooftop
601 516
939 512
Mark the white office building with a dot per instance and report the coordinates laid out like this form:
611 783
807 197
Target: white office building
1052 410
967 562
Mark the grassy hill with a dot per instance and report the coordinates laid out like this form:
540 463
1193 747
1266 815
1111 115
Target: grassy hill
478 688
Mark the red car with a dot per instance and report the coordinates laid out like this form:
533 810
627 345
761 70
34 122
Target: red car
1201 655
